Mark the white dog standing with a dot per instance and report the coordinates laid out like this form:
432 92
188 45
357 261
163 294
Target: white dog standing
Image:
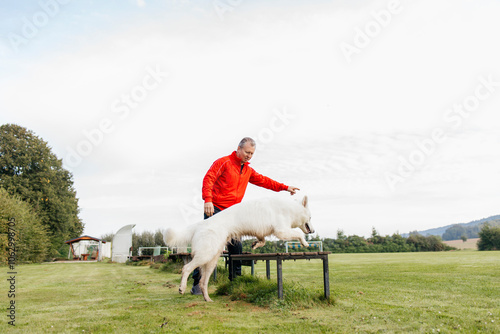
259 218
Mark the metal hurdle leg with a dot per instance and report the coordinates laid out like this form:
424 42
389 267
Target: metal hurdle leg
231 266
326 277
280 277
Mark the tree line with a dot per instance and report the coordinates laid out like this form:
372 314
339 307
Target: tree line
356 244
489 240
342 244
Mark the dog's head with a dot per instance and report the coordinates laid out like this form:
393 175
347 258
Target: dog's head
305 224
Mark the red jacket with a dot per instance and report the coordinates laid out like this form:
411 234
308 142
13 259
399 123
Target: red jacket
226 181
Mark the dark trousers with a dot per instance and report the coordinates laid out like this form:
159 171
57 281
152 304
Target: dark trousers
233 247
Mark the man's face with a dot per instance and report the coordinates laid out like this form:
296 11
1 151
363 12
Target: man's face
245 153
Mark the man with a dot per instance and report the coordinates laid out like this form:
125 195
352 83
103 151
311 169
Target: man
224 185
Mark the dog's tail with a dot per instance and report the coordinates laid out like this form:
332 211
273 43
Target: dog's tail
179 237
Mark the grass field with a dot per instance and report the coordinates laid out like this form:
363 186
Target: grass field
392 293
459 244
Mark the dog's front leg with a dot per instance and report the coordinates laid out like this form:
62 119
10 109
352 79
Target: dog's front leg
292 235
304 242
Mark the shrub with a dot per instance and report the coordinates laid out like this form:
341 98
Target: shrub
32 241
489 238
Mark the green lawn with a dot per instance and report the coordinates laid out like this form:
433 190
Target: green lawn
392 293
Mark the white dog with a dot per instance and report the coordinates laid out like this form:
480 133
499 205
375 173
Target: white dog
260 218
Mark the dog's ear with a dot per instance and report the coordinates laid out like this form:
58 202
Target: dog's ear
304 201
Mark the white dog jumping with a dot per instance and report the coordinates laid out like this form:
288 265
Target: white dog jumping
260 218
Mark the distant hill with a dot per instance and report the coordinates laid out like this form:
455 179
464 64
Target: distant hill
469 229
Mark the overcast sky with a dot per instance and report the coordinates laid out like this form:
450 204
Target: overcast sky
385 113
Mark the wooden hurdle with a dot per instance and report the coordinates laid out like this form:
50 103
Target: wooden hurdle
280 257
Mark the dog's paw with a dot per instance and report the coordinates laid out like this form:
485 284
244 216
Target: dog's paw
304 243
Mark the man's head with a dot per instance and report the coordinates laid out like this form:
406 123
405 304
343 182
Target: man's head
246 149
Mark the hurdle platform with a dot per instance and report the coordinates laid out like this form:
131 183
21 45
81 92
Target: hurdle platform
279 258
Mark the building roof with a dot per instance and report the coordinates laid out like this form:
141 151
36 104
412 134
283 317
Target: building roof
84 237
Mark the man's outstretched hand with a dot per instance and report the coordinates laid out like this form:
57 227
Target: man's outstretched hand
292 190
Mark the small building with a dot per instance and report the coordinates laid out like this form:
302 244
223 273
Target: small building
122 244
87 248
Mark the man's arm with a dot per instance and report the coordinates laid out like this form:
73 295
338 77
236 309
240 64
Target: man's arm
268 183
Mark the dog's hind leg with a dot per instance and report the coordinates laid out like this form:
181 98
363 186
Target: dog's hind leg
258 243
206 272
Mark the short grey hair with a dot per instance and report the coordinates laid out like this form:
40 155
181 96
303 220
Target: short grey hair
245 140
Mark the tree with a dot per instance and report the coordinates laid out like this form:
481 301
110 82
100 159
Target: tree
376 238
463 237
489 238
341 235
159 241
29 170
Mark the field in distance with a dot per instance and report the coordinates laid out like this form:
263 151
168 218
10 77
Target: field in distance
459 244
